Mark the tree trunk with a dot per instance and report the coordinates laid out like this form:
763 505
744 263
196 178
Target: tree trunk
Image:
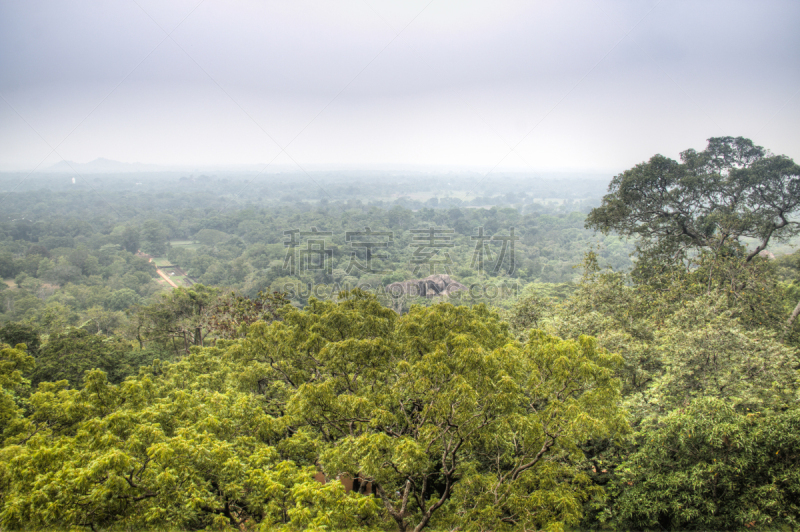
398 517
139 336
794 315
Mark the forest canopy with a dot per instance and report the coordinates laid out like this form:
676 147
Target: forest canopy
193 361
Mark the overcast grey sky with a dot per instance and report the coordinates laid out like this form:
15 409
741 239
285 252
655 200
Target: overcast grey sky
578 85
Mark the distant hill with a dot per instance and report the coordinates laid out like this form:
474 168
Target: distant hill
103 166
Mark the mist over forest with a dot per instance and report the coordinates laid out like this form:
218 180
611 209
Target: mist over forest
419 265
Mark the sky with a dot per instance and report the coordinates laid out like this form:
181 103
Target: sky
430 84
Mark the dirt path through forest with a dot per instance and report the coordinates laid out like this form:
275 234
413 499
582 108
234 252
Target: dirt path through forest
166 277
187 280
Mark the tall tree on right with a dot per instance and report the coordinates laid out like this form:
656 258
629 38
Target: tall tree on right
707 204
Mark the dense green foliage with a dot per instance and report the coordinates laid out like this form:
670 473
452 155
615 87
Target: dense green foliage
707 467
69 354
76 258
712 199
236 432
662 396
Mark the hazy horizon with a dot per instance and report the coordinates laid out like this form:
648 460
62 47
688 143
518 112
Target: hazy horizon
102 165
513 86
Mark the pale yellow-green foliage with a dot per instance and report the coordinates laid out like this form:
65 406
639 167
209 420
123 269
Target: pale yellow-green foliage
679 345
442 413
14 361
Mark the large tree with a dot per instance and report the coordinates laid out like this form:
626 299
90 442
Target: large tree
711 199
441 410
708 202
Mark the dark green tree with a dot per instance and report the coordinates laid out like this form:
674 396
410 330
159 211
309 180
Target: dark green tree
19 333
232 314
122 299
154 237
177 320
707 203
7 267
708 467
710 200
70 354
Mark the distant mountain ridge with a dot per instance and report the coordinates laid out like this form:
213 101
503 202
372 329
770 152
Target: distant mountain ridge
103 166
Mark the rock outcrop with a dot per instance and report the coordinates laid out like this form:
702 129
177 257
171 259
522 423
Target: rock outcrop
431 286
